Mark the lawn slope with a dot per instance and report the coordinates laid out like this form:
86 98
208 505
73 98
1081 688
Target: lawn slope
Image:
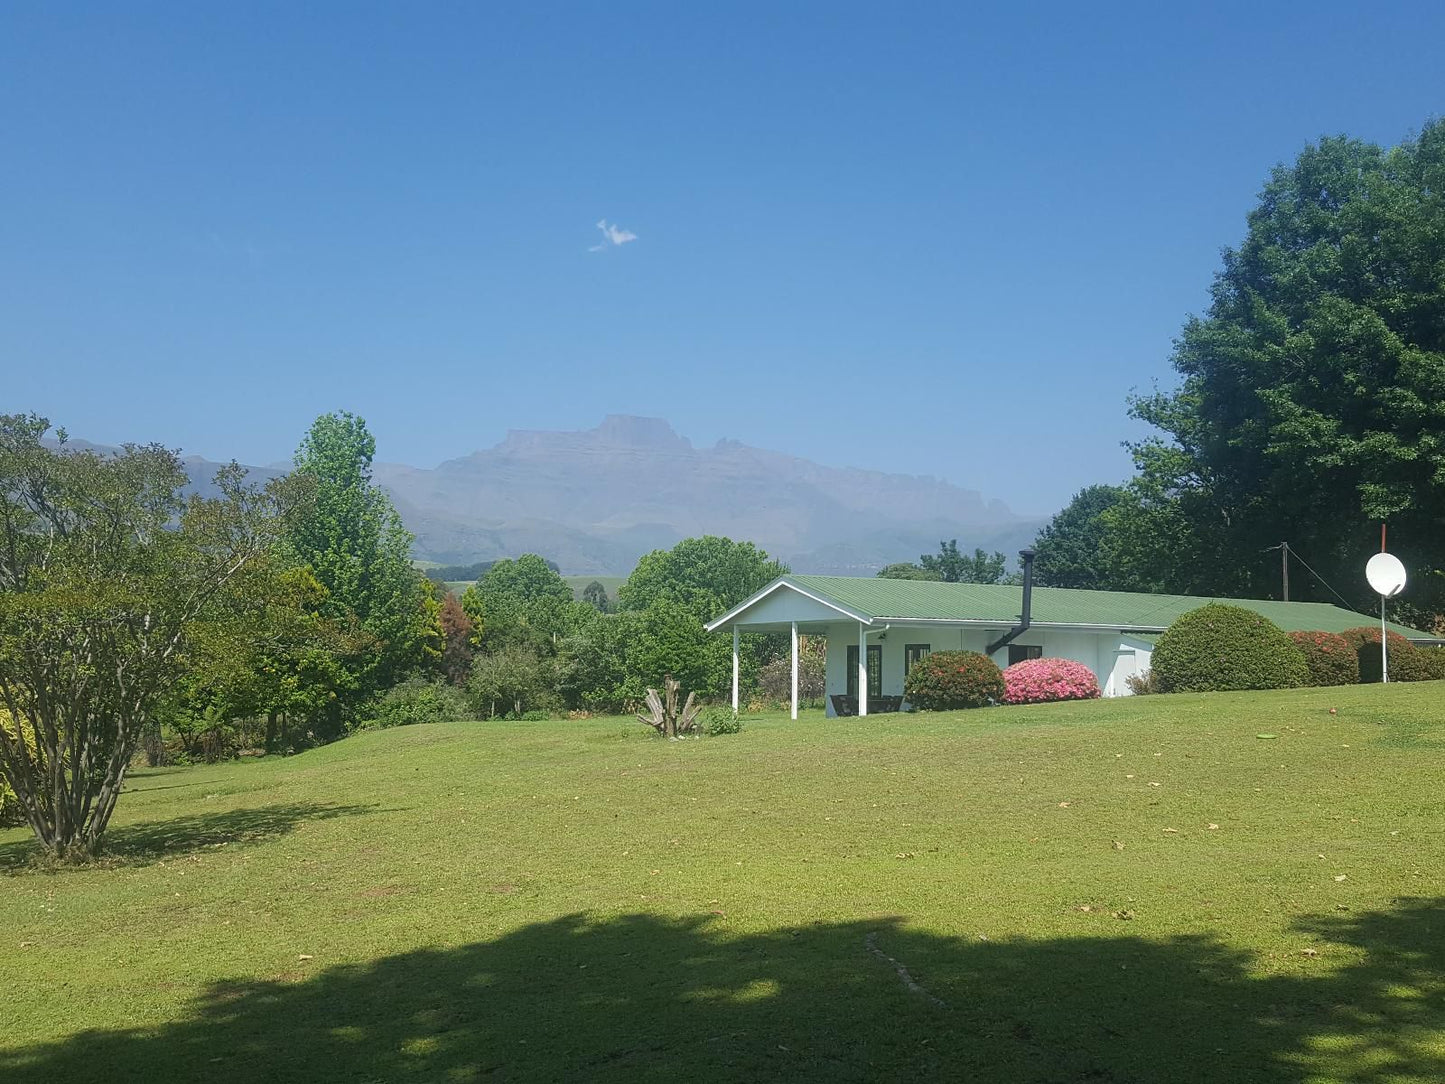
1130 890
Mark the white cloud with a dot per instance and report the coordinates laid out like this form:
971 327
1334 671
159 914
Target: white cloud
612 236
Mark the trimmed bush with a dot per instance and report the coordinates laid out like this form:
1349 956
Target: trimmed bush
953 679
1434 658
1042 681
417 700
1332 660
1407 662
1218 647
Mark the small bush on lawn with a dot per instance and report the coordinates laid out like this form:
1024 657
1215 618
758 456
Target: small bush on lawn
1332 660
1142 684
1042 681
1219 647
718 720
1407 662
417 700
10 811
953 679
1434 658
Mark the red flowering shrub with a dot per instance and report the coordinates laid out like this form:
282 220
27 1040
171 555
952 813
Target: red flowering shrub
1039 681
1407 662
1332 660
953 679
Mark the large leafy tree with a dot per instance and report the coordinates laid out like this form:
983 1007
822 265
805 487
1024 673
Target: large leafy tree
355 543
1312 404
705 576
1070 547
111 584
905 570
954 567
521 601
672 594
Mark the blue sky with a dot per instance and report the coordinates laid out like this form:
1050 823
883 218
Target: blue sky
916 238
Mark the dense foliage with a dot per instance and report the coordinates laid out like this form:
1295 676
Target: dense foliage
1068 549
1330 658
1407 662
905 570
1219 647
354 542
1312 405
1041 681
953 679
775 679
419 700
953 567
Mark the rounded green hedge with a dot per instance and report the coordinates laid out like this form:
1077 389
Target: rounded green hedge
1219 647
1332 660
946 680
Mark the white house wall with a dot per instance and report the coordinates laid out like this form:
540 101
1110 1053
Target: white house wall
1110 655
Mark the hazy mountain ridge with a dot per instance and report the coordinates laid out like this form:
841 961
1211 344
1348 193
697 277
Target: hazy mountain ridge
595 500
634 484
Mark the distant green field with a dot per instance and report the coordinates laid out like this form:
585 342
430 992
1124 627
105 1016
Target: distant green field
1138 890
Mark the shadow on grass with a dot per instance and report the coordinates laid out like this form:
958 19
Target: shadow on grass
640 997
149 840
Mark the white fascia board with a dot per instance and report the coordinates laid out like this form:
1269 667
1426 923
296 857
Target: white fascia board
732 614
994 623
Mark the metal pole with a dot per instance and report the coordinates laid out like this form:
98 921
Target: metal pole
1284 566
1384 654
862 669
795 669
735 669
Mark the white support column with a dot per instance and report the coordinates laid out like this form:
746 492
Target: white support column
862 669
795 669
735 669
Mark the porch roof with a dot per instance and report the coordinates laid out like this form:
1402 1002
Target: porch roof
870 599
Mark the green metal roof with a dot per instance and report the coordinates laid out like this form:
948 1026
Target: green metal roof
923 600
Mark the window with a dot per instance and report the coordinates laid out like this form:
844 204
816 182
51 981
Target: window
875 670
1023 652
913 653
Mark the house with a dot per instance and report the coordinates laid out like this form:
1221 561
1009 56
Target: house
877 628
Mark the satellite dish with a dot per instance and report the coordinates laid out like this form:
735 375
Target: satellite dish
1386 574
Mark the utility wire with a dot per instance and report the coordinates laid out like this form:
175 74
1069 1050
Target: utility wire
1348 605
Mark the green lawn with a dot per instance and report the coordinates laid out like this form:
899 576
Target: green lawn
1136 890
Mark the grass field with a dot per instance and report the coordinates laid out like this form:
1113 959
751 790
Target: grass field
1132 890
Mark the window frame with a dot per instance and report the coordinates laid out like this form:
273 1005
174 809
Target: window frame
913 654
1031 652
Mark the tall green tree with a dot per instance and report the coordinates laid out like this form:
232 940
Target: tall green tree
110 584
1070 547
954 567
672 594
355 543
706 576
521 601
1312 401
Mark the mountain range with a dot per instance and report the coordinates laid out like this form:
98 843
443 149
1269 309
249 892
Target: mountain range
596 500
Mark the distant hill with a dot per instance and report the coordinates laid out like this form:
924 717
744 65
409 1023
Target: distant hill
594 501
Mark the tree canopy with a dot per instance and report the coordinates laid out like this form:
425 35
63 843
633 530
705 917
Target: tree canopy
954 567
1070 548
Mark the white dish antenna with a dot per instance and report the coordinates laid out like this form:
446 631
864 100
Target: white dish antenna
1386 575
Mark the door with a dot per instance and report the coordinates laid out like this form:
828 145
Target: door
875 670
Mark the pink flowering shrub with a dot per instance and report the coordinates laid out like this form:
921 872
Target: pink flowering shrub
1039 681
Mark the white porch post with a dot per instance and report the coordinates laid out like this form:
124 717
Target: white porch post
862 669
795 669
735 669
